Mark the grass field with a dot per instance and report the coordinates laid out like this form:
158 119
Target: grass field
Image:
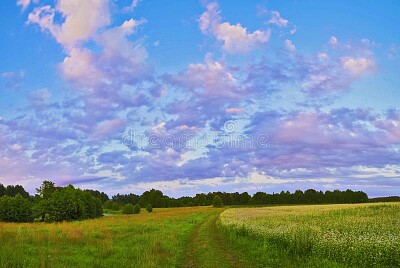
362 235
145 240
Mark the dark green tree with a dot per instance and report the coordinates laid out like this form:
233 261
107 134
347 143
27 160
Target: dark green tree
149 208
217 202
128 209
136 209
15 209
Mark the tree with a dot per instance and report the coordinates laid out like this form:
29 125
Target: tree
2 190
154 197
244 198
149 208
65 203
109 204
46 189
128 209
136 209
15 209
217 202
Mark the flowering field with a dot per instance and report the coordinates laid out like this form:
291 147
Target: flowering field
359 235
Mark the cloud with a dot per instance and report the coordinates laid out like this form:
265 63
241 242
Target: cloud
333 41
132 6
276 19
358 66
234 38
210 80
81 22
81 65
289 45
39 97
13 79
109 127
25 3
234 110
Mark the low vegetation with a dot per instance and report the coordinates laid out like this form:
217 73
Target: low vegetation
363 235
149 208
48 230
155 239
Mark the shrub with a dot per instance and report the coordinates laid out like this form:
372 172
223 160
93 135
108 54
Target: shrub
109 204
15 209
217 202
149 208
136 209
128 209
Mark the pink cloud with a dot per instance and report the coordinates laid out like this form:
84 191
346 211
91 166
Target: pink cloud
109 127
82 20
234 38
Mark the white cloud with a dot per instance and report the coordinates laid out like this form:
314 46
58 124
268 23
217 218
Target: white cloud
276 19
235 38
24 4
333 41
289 45
358 66
82 20
213 78
132 6
81 65
39 97
323 56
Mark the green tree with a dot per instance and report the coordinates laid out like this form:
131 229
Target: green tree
46 189
15 209
128 209
149 208
136 209
217 202
109 204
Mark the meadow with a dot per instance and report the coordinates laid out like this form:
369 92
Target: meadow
154 239
359 235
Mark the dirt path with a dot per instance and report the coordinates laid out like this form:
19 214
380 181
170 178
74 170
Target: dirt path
206 248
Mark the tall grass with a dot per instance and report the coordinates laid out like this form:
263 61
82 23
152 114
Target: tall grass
366 235
145 240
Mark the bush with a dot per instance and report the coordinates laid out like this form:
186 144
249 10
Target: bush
128 209
217 202
149 208
15 209
136 209
109 204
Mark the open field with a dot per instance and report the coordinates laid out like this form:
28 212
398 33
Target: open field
362 235
145 240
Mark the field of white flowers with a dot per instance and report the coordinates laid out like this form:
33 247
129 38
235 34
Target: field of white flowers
359 235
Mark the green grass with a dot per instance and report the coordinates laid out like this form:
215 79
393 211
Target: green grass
146 240
365 235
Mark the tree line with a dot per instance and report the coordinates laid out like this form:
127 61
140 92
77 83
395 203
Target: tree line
52 203
158 200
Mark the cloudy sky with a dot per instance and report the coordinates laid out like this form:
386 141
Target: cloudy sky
197 96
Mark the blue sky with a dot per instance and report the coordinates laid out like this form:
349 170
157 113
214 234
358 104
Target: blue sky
274 95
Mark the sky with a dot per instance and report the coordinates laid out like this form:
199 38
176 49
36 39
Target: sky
197 96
